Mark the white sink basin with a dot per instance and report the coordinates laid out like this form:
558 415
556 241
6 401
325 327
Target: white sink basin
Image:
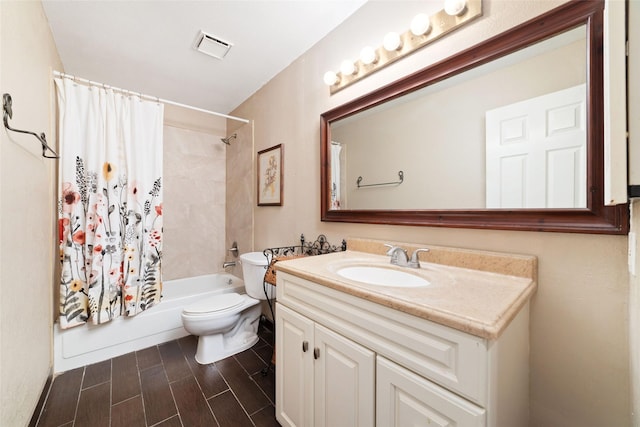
381 276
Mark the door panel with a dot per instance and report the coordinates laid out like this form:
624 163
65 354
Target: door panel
294 367
344 381
536 152
404 399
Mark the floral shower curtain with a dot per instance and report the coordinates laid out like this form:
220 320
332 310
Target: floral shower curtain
110 203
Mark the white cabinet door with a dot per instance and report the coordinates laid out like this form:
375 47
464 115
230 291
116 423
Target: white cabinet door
404 399
294 368
344 381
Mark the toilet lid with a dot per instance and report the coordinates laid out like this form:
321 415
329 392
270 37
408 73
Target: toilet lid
215 303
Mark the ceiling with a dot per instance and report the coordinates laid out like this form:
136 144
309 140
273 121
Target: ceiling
147 46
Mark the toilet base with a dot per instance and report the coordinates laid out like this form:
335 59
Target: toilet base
243 336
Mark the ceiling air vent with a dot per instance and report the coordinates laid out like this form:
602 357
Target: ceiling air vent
212 45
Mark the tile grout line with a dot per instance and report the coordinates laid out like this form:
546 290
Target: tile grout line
44 402
198 383
234 394
110 391
192 374
75 414
164 369
144 411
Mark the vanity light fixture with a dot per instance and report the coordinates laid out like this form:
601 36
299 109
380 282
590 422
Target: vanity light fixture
368 55
424 29
454 7
420 25
392 42
347 68
331 78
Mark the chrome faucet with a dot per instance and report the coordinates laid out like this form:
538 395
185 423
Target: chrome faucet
228 264
400 257
415 260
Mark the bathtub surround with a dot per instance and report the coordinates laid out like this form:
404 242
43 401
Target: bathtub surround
110 201
240 187
194 200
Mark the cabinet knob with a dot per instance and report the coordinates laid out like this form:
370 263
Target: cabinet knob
305 346
316 353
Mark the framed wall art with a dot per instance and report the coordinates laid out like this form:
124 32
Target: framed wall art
270 176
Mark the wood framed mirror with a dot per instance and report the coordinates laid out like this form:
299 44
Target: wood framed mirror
374 170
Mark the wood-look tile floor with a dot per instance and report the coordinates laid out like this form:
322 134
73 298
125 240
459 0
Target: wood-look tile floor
164 386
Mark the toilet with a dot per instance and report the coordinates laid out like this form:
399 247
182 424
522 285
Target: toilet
227 323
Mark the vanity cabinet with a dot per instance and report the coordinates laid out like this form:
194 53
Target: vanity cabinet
406 399
325 379
346 361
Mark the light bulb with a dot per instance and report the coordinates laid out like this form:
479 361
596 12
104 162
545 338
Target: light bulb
392 42
420 24
368 55
347 68
454 7
330 78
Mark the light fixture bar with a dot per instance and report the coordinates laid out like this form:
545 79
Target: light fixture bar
441 24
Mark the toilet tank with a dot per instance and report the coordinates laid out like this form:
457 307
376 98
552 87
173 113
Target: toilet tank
254 265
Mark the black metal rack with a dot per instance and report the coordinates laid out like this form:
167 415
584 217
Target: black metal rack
273 255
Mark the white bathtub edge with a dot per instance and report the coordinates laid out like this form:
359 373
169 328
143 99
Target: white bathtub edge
88 344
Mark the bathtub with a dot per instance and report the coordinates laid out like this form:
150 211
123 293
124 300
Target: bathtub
84 345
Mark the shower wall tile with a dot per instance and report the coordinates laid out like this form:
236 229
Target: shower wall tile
240 192
194 203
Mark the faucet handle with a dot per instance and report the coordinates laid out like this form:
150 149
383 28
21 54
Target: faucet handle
234 249
415 260
398 255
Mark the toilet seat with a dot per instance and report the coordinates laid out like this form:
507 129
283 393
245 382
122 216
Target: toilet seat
217 303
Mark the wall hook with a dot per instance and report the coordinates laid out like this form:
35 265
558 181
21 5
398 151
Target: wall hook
7 113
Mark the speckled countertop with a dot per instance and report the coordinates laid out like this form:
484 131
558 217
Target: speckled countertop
472 291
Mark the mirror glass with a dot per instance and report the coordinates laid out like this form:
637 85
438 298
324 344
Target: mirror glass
508 134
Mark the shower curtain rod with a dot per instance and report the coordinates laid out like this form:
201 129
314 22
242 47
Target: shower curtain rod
149 97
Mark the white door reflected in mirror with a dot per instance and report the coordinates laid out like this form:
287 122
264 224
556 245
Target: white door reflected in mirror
536 152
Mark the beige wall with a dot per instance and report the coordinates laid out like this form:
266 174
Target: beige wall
579 316
27 211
